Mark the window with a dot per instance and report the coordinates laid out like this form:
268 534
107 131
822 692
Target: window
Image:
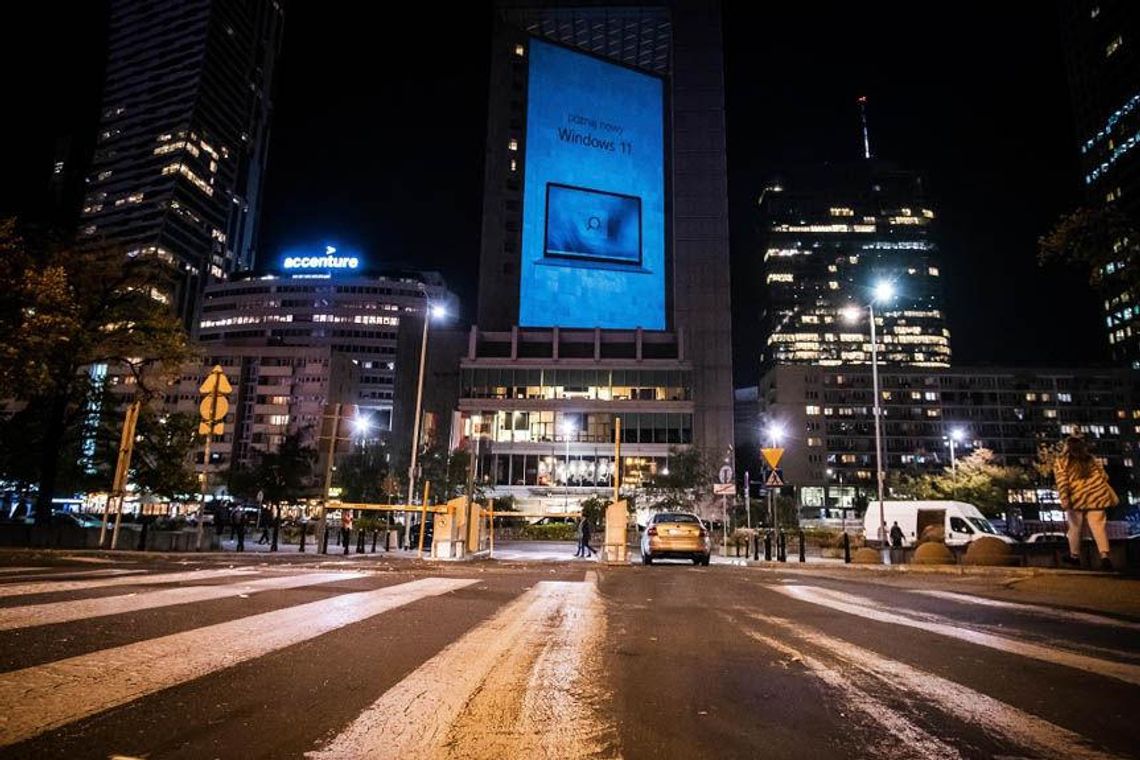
520 50
513 144
958 525
1113 46
814 441
812 410
1050 414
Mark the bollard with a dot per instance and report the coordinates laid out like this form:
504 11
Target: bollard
360 542
803 555
846 549
375 533
301 548
756 548
344 536
768 546
782 547
142 537
325 541
273 535
387 539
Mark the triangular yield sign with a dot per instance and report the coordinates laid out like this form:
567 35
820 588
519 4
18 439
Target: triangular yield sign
772 457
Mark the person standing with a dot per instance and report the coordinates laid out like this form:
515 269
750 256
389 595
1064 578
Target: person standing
1086 496
897 535
239 529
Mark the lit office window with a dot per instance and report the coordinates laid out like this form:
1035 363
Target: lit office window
513 144
1113 46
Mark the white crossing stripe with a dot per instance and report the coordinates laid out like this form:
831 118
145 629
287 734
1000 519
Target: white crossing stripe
1037 736
82 609
515 686
21 569
55 587
865 608
1032 609
63 573
57 693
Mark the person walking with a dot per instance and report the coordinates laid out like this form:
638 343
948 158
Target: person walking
1086 496
239 529
581 521
897 535
587 533
266 522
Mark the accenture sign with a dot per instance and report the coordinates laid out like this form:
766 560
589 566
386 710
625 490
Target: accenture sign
329 261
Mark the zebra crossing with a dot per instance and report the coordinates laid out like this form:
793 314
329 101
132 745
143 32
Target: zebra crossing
474 664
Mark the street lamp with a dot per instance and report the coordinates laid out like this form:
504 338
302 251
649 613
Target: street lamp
568 429
773 188
361 424
431 311
883 291
957 435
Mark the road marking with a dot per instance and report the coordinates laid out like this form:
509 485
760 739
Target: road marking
865 608
995 718
912 741
21 569
105 572
55 587
82 609
58 693
1033 609
498 691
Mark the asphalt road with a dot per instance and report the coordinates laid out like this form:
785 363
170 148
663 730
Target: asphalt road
348 657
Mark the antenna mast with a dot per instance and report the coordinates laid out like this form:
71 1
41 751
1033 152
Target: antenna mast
866 134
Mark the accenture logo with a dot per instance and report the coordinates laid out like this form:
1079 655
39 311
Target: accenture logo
328 261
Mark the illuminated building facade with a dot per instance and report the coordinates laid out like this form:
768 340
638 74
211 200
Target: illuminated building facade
355 311
604 269
828 419
831 233
183 135
1102 46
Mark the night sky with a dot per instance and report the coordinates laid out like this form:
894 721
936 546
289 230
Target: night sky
378 140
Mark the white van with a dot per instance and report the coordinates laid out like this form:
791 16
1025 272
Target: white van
960 522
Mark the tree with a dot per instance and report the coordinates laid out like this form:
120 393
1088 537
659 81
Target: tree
362 474
67 309
285 473
447 471
979 480
160 464
688 482
1102 241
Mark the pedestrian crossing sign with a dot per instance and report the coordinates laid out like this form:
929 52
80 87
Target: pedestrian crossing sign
774 480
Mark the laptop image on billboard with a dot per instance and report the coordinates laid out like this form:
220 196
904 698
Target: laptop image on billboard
592 225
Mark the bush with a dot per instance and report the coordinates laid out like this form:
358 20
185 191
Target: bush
555 532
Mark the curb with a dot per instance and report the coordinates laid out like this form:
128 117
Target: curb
1020 572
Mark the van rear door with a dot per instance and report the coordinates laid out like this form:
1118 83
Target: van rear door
930 524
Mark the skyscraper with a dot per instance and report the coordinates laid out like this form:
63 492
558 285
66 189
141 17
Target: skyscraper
183 135
1102 52
830 234
604 273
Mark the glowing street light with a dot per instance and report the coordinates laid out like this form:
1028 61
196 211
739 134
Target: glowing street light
957 435
776 433
362 423
773 188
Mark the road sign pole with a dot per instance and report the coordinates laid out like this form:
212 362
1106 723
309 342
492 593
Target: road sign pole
322 521
748 498
206 468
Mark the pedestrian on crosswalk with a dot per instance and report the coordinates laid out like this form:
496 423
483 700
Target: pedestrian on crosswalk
239 530
587 533
264 538
1086 496
581 521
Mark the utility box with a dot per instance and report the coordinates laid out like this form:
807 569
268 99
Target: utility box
615 550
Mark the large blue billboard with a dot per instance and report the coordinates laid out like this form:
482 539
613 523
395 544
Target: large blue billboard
593 238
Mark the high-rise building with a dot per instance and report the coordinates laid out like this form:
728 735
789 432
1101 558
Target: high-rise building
831 234
183 135
604 272
1102 52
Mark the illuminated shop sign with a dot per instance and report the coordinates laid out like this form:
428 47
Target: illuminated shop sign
329 261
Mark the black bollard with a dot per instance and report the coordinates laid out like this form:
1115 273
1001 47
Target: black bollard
344 537
768 546
301 548
360 542
273 535
325 541
846 549
375 534
803 555
387 539
782 547
756 547
142 537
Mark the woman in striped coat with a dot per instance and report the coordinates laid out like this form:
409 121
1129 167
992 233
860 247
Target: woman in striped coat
1086 495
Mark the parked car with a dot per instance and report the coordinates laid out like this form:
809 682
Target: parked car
1047 538
955 522
675 535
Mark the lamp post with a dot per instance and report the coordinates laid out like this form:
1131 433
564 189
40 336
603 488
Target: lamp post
773 188
957 435
430 311
568 429
883 291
